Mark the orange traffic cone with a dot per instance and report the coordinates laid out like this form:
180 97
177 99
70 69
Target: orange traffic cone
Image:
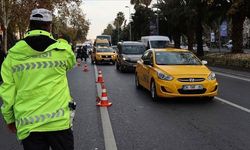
78 62
99 71
103 101
85 68
100 78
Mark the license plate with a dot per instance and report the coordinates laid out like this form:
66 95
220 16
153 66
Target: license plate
106 59
192 87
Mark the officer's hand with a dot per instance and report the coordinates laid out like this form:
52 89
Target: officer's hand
12 127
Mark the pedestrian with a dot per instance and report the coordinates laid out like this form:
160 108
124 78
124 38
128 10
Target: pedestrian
35 92
79 53
85 53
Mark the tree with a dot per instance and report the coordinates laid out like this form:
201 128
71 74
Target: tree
109 30
118 23
68 13
237 10
6 9
146 3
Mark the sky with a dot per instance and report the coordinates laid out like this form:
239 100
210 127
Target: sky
102 12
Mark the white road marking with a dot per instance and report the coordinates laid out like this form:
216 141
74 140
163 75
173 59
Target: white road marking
108 134
232 104
233 76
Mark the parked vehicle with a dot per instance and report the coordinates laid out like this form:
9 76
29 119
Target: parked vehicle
128 54
229 45
205 48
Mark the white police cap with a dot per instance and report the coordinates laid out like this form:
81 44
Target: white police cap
41 14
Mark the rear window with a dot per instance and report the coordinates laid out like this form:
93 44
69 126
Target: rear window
159 44
133 49
105 50
102 44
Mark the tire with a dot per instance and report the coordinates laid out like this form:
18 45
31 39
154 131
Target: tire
153 91
137 83
121 68
117 66
210 98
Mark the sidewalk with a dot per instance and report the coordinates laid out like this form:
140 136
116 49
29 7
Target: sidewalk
225 50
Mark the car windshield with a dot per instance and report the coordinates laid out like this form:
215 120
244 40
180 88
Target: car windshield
102 44
133 49
104 50
159 44
176 58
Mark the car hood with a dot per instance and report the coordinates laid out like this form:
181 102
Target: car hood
183 70
132 57
105 53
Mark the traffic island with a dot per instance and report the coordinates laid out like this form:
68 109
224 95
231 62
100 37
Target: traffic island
229 60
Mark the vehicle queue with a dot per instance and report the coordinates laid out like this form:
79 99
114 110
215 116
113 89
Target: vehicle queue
164 71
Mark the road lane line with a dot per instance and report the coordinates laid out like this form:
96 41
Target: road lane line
233 76
108 134
232 104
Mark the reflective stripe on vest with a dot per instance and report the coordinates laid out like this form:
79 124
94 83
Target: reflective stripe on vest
40 118
38 65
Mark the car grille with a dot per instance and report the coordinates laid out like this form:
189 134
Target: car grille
106 56
181 91
131 61
191 79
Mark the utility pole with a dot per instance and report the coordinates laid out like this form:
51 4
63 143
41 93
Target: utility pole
118 28
130 30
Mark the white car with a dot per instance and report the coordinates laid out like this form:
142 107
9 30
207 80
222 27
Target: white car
205 48
229 44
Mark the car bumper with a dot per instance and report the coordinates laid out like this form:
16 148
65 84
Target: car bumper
128 65
105 59
170 89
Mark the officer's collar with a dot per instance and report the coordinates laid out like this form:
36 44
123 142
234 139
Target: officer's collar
38 32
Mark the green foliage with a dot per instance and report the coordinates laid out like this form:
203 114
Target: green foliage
119 20
69 19
229 60
108 30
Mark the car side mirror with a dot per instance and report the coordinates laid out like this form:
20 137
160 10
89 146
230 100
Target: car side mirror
147 62
204 62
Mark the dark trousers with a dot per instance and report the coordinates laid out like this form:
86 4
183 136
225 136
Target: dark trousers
57 140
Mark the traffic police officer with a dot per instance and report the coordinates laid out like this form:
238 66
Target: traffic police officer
35 90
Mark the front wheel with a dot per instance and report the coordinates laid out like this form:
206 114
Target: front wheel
153 91
210 98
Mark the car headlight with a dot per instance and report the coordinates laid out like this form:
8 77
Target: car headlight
211 76
163 76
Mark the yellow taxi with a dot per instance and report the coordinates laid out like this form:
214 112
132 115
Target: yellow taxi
173 73
103 55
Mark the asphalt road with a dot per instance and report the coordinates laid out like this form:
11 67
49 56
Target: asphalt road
138 123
